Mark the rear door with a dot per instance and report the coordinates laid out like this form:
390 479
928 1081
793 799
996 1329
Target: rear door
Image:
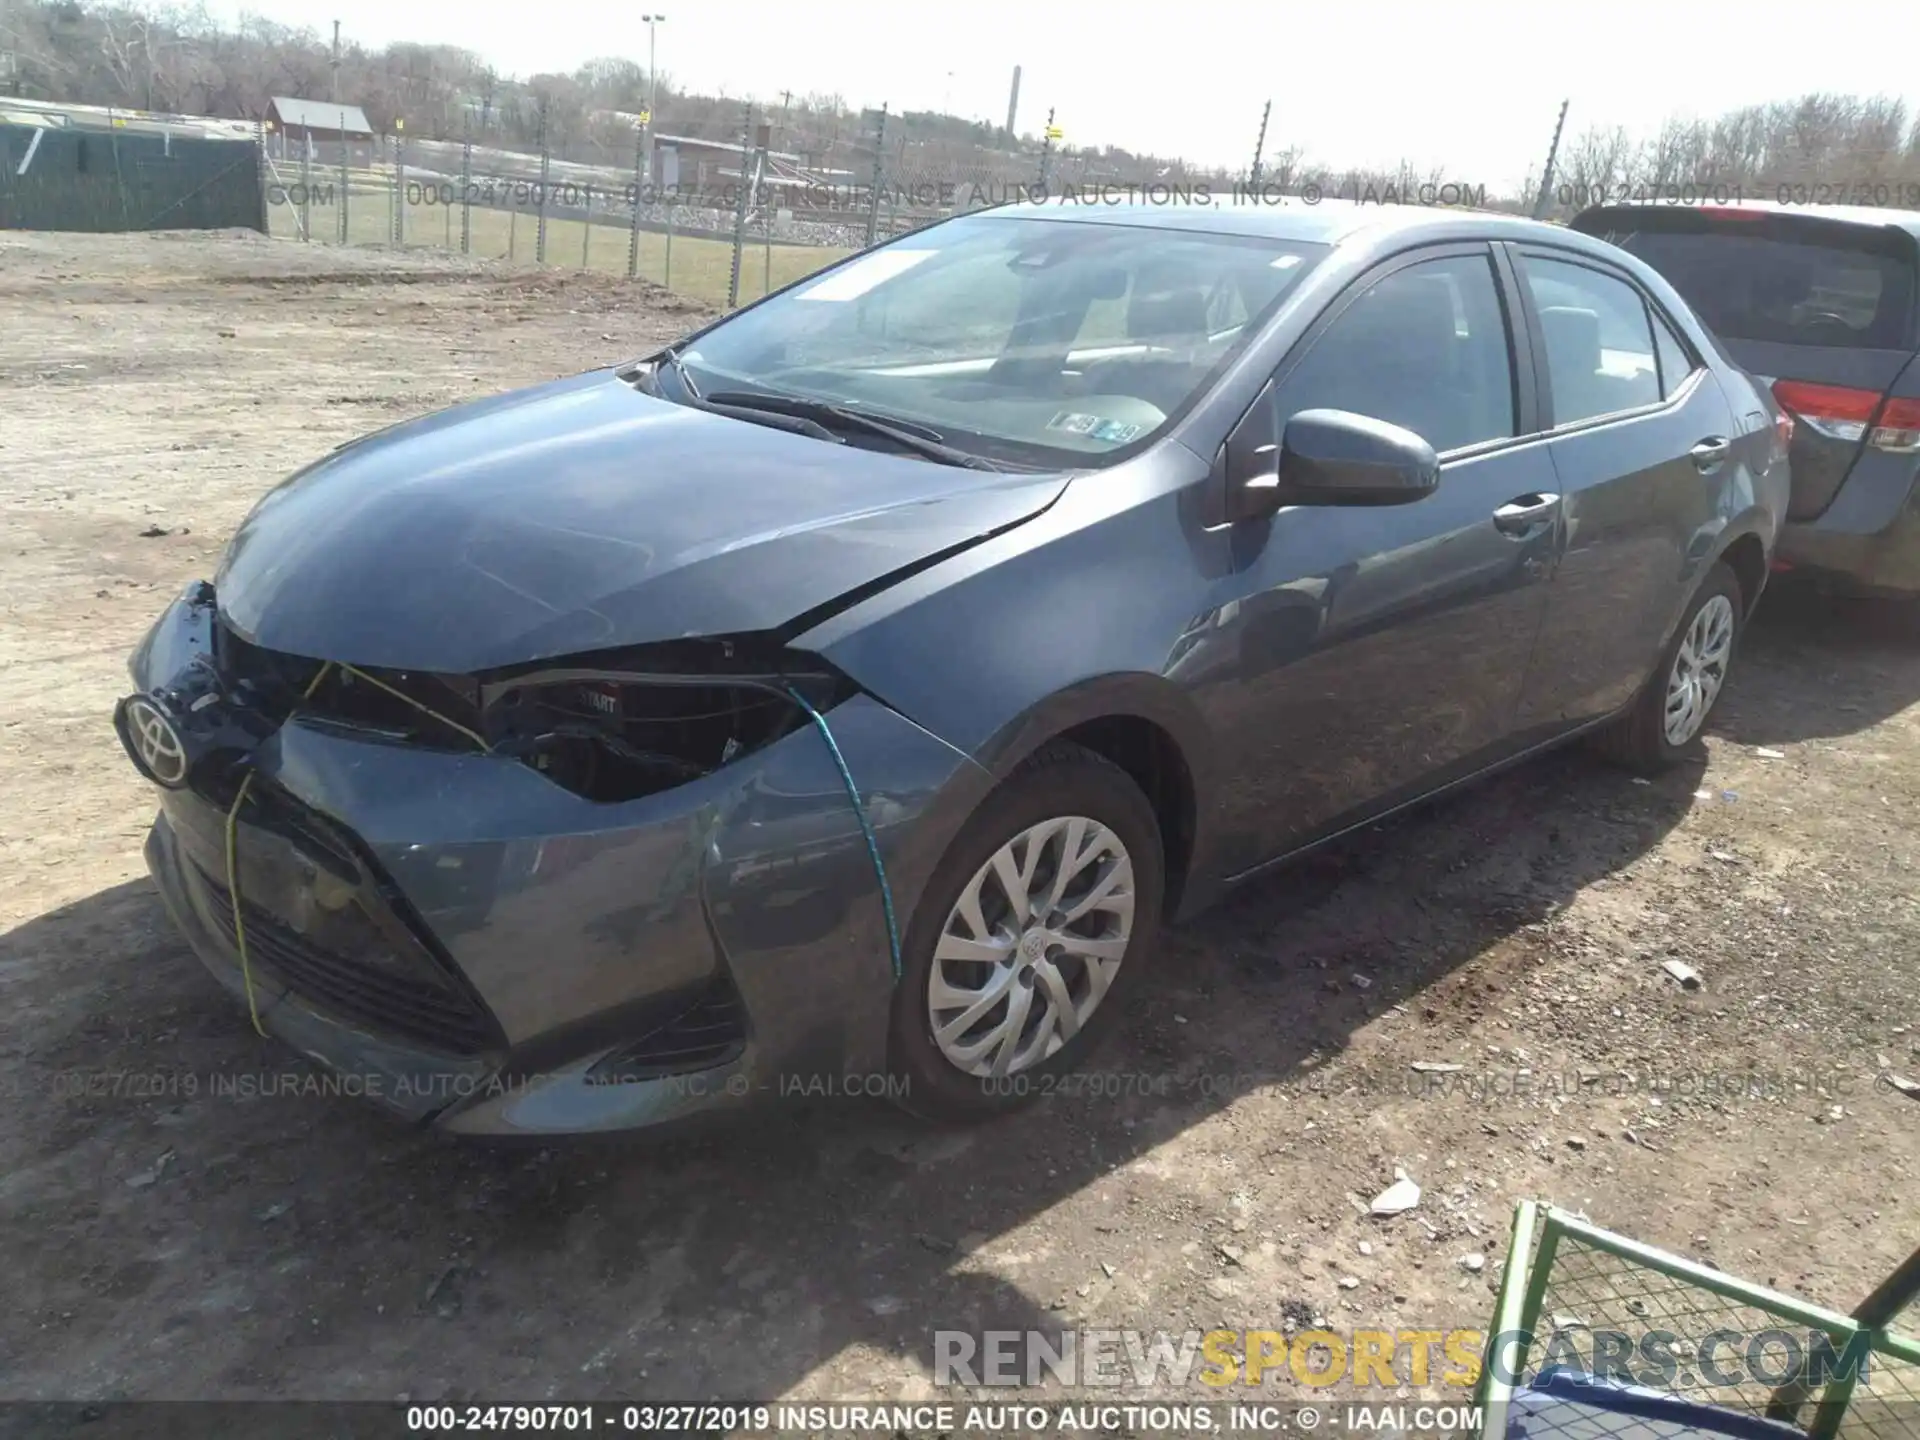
1820 310
1642 440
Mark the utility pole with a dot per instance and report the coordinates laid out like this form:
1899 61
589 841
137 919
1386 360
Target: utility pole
653 88
1260 145
1553 153
333 67
1046 150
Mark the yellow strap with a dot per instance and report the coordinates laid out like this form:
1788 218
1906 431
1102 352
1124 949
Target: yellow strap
233 871
423 709
233 894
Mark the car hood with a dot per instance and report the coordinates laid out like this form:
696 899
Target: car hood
583 515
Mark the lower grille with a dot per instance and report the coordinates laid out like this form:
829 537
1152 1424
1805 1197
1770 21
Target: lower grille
709 1033
383 991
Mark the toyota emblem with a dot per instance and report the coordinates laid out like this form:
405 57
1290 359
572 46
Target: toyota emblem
156 744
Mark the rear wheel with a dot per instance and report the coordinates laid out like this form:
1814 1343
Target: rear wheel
1672 710
1032 931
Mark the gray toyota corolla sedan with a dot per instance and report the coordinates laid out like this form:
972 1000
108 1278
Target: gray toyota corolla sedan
853 688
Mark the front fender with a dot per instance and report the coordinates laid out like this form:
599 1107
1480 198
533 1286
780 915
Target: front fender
1077 616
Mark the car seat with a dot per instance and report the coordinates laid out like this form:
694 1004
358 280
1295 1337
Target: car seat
1580 387
1167 311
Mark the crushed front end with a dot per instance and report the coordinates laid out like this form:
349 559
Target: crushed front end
593 894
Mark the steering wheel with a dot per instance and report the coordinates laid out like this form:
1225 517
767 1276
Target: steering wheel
1829 319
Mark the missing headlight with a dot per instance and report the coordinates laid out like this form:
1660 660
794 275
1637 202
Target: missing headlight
610 733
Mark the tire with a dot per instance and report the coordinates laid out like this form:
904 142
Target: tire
1081 790
1640 739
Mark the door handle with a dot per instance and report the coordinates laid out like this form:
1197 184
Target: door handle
1710 453
1521 514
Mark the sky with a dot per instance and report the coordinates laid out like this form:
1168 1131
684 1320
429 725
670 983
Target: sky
1469 89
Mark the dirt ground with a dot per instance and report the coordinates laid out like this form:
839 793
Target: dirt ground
159 1241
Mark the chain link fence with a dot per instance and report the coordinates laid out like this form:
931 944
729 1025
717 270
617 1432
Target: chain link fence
717 231
725 216
723 221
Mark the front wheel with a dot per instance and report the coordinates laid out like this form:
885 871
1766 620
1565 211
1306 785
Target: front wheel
1033 929
1672 710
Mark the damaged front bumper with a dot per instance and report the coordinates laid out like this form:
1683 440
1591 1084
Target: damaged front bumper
473 945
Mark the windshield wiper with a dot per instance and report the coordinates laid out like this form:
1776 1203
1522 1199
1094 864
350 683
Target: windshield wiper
753 414
824 413
674 363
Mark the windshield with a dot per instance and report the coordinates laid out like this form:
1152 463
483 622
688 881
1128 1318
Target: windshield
1040 342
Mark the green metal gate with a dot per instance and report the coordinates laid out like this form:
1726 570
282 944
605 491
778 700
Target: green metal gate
1567 1283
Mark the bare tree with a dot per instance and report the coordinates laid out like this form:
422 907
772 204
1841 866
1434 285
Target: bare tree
1597 164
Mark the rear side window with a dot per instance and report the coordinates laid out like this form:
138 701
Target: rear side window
1751 283
1600 349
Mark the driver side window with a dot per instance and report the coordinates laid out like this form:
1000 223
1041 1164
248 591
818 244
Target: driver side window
1425 348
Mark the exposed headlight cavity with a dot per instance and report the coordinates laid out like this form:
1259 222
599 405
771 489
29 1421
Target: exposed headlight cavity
611 733
610 727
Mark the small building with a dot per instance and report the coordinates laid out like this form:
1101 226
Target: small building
693 164
294 126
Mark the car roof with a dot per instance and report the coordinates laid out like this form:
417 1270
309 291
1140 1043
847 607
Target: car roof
1868 216
1281 217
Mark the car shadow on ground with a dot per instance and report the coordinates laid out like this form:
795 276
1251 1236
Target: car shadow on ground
1854 655
366 1260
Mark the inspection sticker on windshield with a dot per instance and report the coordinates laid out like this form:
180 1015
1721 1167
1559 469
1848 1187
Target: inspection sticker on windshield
1113 432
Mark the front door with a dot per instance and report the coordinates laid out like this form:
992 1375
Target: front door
1382 651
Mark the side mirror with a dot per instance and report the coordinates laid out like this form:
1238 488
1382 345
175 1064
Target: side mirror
1335 457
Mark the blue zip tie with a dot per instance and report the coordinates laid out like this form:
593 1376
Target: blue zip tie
866 826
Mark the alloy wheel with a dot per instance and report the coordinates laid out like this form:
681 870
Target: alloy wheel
1699 670
1031 947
